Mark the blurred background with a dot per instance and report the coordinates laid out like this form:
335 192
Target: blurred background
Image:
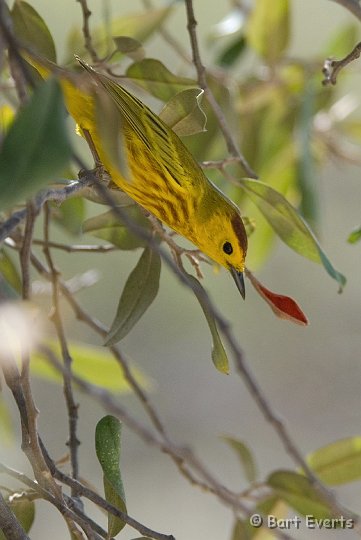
311 375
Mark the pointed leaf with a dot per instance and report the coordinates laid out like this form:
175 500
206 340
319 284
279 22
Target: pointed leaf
107 445
139 292
154 77
183 113
355 236
338 462
282 306
267 30
245 456
108 227
9 271
7 428
36 147
219 355
232 52
94 364
297 491
31 29
289 226
24 511
70 214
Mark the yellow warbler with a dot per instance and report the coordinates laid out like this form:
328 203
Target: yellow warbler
163 176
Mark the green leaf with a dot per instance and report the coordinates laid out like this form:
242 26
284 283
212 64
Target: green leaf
297 491
7 429
355 236
31 30
245 456
232 52
219 355
108 227
268 28
94 364
271 506
23 509
154 77
338 462
139 292
342 41
107 445
36 148
184 114
70 214
289 226
9 271
129 46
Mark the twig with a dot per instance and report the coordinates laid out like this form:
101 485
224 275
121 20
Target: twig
72 406
51 194
86 30
26 249
9 523
202 80
78 248
331 68
351 5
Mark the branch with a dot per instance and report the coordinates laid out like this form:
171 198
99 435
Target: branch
9 524
86 30
331 68
202 80
351 5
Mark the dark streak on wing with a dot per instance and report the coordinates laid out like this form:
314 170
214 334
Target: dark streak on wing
240 232
170 172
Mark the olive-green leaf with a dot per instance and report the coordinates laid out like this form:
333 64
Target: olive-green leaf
219 355
94 364
129 46
6 422
9 271
107 446
154 77
355 236
338 462
297 491
108 227
289 226
183 113
36 148
268 28
139 292
70 214
23 509
31 29
245 456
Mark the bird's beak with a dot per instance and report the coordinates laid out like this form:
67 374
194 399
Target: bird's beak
239 279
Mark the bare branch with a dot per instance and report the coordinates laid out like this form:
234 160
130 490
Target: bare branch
86 30
331 68
9 524
202 80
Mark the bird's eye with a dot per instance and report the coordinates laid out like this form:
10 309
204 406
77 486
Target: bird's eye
227 248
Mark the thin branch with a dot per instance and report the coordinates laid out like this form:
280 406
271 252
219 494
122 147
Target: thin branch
331 68
351 5
78 248
9 524
72 406
202 80
86 30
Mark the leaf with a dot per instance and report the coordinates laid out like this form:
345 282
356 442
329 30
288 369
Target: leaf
297 491
31 29
129 46
107 445
338 462
108 227
183 113
289 226
154 77
219 355
7 429
23 509
282 306
36 148
138 294
342 41
70 214
245 456
268 28
232 52
355 236
94 364
231 24
271 506
9 271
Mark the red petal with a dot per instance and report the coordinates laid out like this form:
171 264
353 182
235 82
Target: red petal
282 306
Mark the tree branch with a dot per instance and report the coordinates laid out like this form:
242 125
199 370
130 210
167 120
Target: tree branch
331 68
9 524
